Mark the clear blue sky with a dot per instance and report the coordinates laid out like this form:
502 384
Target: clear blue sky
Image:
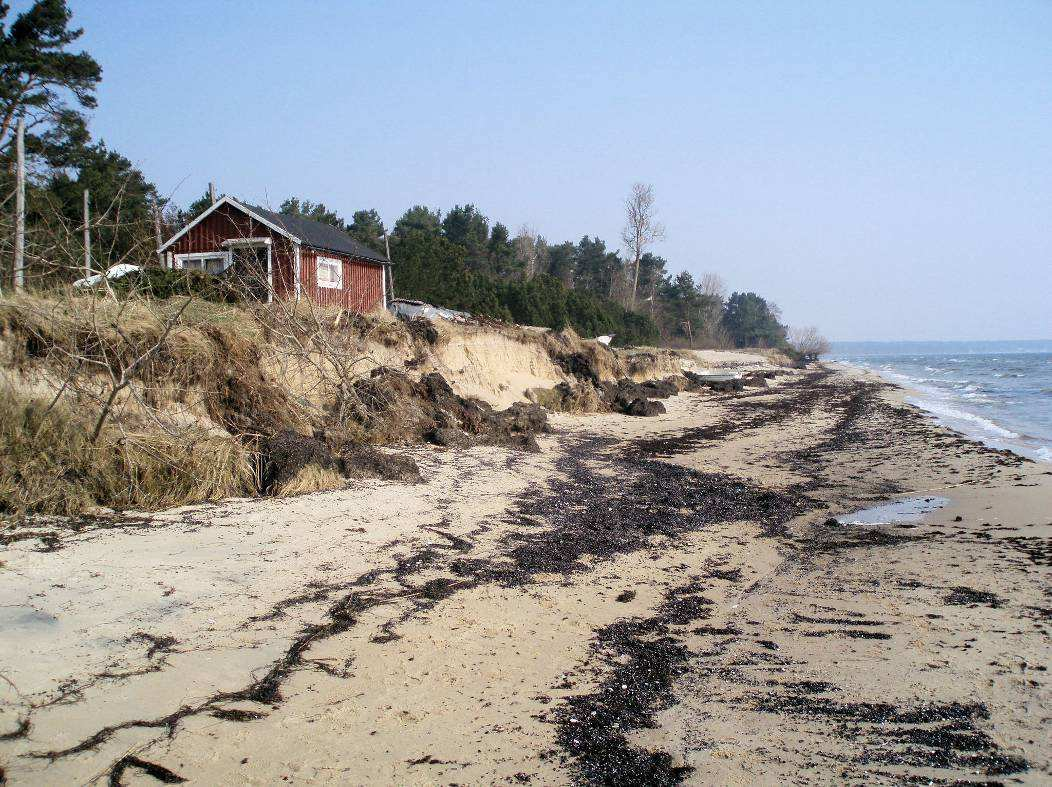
883 170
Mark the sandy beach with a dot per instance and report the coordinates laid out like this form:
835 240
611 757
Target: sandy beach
676 599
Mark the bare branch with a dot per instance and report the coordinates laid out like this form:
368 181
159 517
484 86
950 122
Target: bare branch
129 372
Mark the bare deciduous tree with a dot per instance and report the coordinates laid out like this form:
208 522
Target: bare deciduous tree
54 243
808 342
531 250
713 290
712 284
642 230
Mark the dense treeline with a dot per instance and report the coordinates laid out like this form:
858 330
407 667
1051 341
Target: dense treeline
457 259
432 268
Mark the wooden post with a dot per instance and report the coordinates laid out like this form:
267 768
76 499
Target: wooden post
157 233
87 233
20 206
212 192
390 269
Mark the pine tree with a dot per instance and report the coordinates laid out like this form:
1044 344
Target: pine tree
421 219
367 227
38 75
316 211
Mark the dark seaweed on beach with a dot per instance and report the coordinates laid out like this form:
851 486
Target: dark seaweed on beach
967 597
649 659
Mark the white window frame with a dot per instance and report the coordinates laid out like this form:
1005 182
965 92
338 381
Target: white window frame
181 259
326 261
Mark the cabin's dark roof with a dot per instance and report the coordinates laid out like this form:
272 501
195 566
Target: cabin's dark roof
319 235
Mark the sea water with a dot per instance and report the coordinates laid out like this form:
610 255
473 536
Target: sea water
996 392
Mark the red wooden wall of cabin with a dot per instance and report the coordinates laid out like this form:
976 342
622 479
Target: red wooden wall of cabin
363 282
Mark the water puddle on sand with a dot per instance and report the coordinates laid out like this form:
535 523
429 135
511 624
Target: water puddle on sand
18 616
908 511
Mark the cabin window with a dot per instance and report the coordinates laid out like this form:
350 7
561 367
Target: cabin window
330 273
208 262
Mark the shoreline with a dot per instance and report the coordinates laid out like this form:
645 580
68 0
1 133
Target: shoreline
983 428
646 599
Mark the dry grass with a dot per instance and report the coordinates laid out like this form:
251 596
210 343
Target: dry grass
584 399
86 325
581 398
184 431
648 363
187 428
50 465
213 359
312 478
548 398
776 357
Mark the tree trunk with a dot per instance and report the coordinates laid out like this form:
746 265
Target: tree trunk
635 281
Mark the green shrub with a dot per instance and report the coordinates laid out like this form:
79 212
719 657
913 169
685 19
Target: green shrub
164 283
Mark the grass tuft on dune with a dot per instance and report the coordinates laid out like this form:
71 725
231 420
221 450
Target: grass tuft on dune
50 465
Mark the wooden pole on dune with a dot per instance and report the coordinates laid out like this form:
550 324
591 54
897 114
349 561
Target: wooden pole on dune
390 269
20 206
157 233
87 233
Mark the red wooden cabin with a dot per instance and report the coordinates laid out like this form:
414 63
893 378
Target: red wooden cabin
279 255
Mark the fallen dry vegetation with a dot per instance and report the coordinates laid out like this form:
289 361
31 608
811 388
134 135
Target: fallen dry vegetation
132 402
